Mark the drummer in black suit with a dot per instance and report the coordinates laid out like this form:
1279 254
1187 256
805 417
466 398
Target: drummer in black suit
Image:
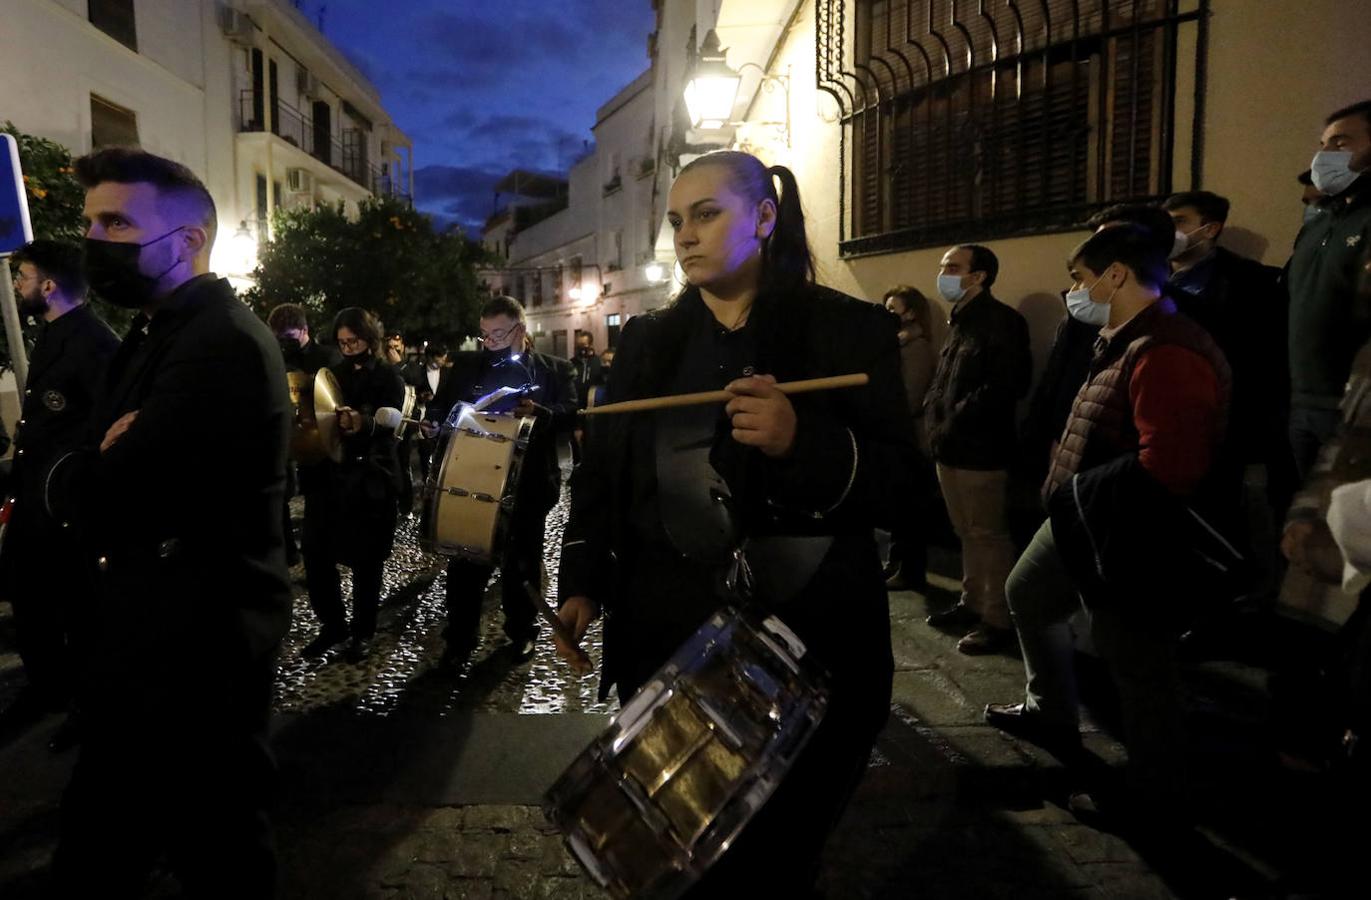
353 523
301 353
177 503
506 361
41 577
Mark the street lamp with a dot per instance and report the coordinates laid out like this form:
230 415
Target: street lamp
655 272
712 90
243 245
713 87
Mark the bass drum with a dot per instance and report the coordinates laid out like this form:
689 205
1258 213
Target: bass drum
315 435
470 496
656 799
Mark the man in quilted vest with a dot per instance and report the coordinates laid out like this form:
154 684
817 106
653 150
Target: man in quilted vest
1154 407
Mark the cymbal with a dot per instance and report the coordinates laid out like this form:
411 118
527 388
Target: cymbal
327 399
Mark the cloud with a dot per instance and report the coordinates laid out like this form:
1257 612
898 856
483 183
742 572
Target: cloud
462 194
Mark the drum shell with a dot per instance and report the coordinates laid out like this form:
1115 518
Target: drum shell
687 762
471 493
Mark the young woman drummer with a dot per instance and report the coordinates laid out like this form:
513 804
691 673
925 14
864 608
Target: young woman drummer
650 542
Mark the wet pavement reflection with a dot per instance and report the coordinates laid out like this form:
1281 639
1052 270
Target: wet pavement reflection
409 644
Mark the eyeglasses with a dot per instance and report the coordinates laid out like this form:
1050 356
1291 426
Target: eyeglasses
20 278
498 334
349 343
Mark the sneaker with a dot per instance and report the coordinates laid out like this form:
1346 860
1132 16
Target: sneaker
326 640
986 639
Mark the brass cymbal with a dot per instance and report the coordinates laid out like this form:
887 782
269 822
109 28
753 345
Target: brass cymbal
327 399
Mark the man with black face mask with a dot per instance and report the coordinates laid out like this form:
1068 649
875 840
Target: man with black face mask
588 367
39 565
176 503
503 362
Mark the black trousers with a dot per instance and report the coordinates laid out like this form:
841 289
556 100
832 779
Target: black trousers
192 785
45 586
403 452
466 585
323 581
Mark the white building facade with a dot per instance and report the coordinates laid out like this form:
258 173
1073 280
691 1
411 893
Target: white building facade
592 265
246 93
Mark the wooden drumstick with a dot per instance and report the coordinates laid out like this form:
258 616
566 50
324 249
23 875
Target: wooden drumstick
786 387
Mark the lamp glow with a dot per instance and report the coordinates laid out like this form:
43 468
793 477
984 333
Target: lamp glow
655 272
575 293
713 87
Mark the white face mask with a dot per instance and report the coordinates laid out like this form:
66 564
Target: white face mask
1179 245
950 288
1331 171
1083 309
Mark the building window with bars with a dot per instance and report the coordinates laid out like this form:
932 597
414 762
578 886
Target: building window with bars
972 121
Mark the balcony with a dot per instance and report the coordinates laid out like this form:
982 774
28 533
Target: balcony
347 157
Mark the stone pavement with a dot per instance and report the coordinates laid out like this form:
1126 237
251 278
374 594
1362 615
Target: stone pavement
401 779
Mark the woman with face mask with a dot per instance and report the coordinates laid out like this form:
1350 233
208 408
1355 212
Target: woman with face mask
663 499
354 525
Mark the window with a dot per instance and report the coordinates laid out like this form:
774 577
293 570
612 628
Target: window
536 295
613 322
115 18
968 121
559 344
262 219
111 124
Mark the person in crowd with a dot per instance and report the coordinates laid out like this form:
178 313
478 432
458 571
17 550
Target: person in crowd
985 367
1321 678
1241 303
395 350
176 507
301 353
588 367
414 374
1141 441
40 571
430 382
606 361
505 361
906 567
648 542
1073 346
353 524
1329 320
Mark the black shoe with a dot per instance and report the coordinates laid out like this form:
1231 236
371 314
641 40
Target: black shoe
326 640
959 615
358 649
986 639
67 735
522 649
1020 721
456 655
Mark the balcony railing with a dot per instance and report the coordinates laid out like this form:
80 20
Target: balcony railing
347 157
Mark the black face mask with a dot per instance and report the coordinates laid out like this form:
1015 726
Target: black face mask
585 351
290 349
112 270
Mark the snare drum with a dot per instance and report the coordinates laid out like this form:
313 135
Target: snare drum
663 792
470 496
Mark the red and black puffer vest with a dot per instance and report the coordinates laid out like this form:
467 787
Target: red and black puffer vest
1101 427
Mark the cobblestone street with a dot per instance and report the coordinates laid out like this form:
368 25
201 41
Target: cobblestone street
404 779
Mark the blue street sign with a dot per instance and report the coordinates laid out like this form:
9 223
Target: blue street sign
15 228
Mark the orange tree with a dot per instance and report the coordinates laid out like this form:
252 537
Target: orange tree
388 259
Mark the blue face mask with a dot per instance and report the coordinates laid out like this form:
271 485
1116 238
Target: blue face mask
1331 171
1083 309
950 288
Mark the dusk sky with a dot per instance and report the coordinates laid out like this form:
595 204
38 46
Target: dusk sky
484 87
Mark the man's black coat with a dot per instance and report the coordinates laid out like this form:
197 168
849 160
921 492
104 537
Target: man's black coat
181 517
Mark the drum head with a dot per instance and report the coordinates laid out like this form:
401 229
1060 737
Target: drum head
328 396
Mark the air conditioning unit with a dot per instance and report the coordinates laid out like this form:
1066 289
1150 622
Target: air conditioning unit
236 25
299 181
307 83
